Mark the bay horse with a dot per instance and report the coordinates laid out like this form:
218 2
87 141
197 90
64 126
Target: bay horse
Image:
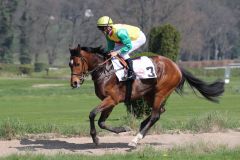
170 77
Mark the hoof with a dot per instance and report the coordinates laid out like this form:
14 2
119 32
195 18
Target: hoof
132 144
96 141
121 129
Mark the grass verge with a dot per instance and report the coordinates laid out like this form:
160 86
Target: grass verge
196 152
14 128
209 122
213 121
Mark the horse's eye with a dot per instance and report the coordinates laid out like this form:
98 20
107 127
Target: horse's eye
77 64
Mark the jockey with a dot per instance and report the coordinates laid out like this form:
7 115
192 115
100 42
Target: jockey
122 39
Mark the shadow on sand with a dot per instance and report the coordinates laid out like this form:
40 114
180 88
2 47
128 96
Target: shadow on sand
35 145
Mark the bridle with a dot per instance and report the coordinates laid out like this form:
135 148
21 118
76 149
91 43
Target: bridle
82 76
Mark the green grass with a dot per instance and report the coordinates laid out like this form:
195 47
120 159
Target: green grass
27 108
196 152
45 109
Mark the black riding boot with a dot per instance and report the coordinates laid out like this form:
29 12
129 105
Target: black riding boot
131 74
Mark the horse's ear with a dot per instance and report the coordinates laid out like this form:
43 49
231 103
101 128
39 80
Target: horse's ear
79 48
70 49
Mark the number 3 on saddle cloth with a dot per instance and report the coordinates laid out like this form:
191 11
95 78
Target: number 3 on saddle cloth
142 66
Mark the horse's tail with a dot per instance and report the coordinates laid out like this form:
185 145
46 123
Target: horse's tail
210 91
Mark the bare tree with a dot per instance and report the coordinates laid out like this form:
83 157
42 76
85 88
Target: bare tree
209 28
220 24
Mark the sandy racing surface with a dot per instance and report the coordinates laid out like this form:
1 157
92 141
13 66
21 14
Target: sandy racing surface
114 143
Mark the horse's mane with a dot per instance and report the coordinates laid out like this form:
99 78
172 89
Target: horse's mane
100 51
103 72
96 50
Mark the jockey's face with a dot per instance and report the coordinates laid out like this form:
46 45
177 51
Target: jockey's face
106 29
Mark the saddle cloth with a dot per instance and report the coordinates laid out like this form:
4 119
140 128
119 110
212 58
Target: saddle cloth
143 69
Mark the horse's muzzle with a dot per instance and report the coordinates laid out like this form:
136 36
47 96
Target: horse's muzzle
75 84
77 80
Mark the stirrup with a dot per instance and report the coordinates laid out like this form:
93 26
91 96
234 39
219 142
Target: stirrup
131 76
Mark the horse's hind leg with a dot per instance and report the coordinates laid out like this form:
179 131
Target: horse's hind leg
157 109
144 123
152 120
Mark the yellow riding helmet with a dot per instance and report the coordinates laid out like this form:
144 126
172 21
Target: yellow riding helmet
104 21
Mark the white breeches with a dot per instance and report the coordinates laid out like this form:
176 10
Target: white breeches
135 45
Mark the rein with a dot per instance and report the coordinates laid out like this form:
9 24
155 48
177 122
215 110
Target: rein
82 76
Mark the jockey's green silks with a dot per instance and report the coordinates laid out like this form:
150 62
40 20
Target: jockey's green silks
122 34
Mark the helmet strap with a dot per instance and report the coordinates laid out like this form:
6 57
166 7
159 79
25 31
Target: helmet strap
108 21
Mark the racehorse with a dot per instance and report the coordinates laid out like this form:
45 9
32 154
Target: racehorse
170 77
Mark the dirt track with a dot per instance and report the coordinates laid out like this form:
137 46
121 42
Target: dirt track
114 143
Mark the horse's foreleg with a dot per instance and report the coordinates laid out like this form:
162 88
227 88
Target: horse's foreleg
103 118
93 132
106 107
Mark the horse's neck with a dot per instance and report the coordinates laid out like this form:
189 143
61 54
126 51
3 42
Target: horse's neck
105 71
93 61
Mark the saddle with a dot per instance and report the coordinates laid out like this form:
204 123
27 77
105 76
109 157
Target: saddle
142 67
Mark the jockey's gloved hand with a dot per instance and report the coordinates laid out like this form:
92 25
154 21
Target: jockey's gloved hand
113 54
